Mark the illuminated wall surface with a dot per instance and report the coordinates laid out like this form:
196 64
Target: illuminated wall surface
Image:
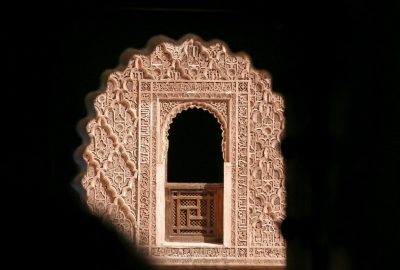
125 178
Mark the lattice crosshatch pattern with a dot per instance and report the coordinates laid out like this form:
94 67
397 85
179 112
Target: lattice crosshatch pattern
126 139
194 212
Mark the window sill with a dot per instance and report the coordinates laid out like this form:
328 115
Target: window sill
191 244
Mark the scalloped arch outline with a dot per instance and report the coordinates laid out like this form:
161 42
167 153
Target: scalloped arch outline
260 139
169 118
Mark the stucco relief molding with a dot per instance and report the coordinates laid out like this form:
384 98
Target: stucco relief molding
180 107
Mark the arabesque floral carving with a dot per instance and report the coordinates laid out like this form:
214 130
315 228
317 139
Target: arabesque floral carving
128 137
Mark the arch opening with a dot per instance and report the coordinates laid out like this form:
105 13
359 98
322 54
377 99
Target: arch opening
194 152
195 176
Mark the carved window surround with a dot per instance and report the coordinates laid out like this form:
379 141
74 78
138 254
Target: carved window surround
125 144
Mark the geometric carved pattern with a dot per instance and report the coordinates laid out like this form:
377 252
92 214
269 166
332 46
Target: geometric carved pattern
125 137
193 212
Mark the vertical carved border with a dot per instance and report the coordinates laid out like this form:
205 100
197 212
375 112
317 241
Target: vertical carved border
153 189
242 162
233 130
266 175
145 168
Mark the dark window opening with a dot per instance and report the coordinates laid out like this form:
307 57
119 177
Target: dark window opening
194 151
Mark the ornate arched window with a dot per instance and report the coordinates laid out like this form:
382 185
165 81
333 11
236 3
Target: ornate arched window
125 155
194 187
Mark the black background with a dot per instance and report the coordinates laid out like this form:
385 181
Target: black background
194 148
337 66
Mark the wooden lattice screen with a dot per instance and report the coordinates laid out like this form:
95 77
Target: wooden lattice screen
194 212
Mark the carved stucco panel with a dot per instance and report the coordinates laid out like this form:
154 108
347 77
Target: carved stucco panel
145 168
153 187
267 192
122 144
